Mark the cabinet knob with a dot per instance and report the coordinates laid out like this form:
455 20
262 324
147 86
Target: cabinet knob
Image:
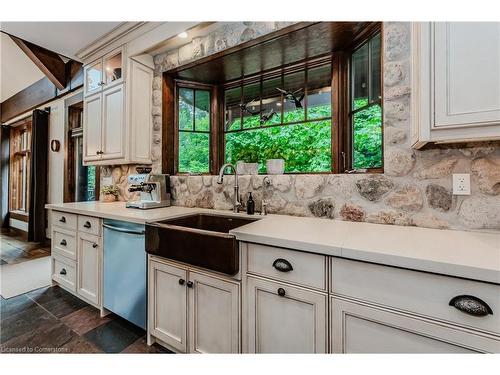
94 245
282 265
189 284
99 152
281 292
471 305
63 243
87 224
181 281
63 271
62 219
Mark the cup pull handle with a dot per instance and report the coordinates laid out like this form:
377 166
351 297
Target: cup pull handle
62 219
282 265
87 224
63 271
471 305
63 243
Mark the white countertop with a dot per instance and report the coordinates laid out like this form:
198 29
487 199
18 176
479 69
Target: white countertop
473 255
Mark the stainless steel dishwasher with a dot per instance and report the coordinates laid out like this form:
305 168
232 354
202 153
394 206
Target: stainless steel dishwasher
125 270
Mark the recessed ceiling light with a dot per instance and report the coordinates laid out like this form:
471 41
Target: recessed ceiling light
183 35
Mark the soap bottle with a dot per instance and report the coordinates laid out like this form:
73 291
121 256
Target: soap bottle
250 204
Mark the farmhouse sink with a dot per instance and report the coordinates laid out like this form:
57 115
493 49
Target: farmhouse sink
201 240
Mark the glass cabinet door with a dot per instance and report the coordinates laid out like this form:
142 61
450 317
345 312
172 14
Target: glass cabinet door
93 77
113 67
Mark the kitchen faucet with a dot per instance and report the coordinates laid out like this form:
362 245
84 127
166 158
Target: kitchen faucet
266 182
236 200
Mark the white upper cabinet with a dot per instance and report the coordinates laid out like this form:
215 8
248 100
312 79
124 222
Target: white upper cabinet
455 82
117 110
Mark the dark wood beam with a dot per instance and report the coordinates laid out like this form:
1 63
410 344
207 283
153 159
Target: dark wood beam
50 63
39 93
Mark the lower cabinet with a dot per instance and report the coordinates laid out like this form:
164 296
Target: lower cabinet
285 319
89 259
193 312
360 328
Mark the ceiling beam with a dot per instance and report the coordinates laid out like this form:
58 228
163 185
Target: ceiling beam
50 63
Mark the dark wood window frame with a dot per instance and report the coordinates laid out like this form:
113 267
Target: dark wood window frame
340 118
15 172
347 156
214 118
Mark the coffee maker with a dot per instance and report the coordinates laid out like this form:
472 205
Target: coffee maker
154 189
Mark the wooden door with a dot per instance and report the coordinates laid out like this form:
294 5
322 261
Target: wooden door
285 319
214 315
92 128
89 260
467 74
167 303
113 127
360 328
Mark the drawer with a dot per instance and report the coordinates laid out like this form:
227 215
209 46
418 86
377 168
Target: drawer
64 242
418 292
296 267
64 272
89 224
63 220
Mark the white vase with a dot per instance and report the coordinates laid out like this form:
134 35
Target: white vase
275 166
247 168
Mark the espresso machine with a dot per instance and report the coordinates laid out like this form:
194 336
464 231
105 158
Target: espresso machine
154 189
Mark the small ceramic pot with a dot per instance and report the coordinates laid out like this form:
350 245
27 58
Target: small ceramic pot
275 166
108 198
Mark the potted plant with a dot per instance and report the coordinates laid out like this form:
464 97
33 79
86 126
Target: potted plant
109 193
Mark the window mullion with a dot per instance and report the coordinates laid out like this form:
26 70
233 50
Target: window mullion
194 108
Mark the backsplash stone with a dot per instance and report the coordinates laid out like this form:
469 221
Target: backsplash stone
414 190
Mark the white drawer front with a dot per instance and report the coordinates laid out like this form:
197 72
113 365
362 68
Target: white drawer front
64 242
64 272
89 224
306 269
418 292
63 220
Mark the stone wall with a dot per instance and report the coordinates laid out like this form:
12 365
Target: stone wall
415 188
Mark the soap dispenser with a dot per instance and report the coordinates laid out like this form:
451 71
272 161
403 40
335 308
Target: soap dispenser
250 204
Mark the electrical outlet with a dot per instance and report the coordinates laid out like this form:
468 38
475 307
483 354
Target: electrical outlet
461 184
107 180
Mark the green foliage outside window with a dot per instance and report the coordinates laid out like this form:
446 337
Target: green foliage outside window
305 147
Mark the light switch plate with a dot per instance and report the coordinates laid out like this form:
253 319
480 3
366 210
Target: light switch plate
461 184
107 180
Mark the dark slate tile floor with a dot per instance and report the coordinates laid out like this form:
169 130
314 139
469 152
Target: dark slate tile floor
15 248
51 320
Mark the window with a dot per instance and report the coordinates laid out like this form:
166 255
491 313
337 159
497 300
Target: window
366 106
193 129
287 116
321 115
20 145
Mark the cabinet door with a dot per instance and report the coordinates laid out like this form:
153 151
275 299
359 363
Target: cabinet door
167 302
93 79
214 315
89 259
113 127
113 68
285 319
92 127
467 73
359 328
140 101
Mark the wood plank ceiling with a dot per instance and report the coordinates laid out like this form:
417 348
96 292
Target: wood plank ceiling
288 46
